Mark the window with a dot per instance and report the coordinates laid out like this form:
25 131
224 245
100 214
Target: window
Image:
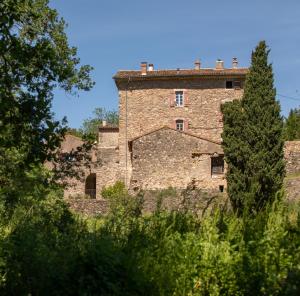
237 84
179 125
90 185
179 98
217 165
229 84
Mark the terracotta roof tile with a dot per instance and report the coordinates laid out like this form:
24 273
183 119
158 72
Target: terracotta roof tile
125 74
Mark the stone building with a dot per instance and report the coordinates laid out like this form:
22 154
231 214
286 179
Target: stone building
169 130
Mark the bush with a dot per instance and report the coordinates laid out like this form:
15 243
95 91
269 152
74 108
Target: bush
46 250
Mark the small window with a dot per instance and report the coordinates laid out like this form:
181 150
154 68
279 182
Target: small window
179 98
237 84
217 165
90 185
229 84
179 125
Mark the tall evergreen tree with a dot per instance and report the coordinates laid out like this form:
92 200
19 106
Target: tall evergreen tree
292 125
252 138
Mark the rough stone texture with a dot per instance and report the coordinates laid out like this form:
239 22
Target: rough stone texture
169 158
147 105
89 207
108 137
104 163
292 187
147 153
292 156
197 201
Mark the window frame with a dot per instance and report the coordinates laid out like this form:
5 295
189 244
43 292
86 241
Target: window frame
216 168
227 82
180 101
179 121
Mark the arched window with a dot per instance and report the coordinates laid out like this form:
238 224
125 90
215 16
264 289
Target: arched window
90 185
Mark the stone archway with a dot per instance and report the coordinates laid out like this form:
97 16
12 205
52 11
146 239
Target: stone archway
90 185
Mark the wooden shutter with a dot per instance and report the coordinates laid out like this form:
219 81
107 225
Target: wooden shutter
217 165
185 125
172 100
186 98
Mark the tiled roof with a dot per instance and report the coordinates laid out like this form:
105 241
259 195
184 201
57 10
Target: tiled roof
109 126
126 74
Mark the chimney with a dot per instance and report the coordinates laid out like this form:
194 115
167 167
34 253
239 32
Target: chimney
144 68
219 65
197 64
234 63
151 67
104 122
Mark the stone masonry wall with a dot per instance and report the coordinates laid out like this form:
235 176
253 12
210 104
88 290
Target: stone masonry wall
292 157
107 138
169 158
104 163
148 108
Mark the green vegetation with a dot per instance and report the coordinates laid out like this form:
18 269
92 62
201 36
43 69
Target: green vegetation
252 139
90 125
47 250
292 126
35 57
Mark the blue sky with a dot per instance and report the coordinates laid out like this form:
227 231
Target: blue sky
117 34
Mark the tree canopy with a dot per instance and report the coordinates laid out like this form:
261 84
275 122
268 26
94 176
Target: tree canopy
292 125
35 58
89 127
252 138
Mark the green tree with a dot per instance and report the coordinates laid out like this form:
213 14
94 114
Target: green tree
252 139
35 58
90 125
292 125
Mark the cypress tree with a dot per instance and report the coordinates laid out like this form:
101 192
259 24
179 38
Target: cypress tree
292 125
252 139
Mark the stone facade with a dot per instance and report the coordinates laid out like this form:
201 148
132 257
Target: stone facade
292 156
169 158
147 101
146 151
149 150
103 169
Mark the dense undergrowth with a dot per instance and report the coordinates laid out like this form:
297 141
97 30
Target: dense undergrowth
46 250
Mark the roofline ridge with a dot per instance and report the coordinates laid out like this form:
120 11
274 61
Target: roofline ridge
183 132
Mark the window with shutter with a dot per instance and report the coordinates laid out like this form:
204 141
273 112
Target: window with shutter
217 165
237 84
180 124
179 98
186 98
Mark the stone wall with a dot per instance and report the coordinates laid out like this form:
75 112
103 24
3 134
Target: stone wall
104 163
169 158
148 108
108 137
292 157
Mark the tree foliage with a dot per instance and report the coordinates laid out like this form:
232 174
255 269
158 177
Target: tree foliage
90 125
252 138
292 125
46 251
35 57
